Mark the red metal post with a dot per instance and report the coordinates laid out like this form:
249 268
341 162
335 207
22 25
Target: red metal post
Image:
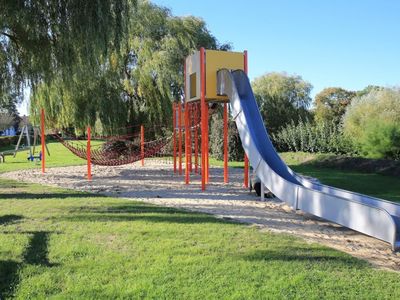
207 146
226 142
187 146
190 118
196 139
174 133
43 140
180 137
203 119
246 159
88 156
142 143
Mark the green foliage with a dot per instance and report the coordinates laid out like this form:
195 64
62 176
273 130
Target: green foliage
135 84
80 104
369 89
42 40
6 120
235 149
372 122
331 103
381 139
282 98
325 137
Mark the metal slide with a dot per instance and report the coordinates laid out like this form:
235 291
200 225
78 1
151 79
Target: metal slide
372 216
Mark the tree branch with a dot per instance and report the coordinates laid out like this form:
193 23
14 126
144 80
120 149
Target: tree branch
11 37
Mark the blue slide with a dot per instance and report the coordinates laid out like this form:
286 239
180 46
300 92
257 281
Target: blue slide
372 216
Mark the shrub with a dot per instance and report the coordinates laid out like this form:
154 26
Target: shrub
310 137
381 139
372 123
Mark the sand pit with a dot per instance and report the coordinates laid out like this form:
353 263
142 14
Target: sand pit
155 183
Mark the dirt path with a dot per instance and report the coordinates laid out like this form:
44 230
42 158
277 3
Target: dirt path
155 183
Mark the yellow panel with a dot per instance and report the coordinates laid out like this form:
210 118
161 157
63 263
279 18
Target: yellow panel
216 60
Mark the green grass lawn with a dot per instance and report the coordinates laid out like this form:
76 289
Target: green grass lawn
385 187
57 243
59 156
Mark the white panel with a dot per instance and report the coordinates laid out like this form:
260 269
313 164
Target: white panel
193 66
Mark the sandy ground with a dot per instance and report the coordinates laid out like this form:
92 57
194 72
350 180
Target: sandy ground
155 183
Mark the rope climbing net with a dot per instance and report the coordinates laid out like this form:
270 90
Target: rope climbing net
117 150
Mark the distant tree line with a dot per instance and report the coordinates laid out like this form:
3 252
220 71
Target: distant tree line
364 123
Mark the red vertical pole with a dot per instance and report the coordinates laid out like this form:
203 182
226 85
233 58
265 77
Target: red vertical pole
190 117
174 134
207 146
203 119
226 142
187 147
246 159
43 140
196 139
142 143
180 137
88 155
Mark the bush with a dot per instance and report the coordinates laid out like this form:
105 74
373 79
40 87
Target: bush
381 140
306 136
372 123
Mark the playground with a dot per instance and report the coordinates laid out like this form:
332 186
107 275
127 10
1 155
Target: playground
182 182
152 165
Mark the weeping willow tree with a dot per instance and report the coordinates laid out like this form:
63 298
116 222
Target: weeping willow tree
153 61
47 41
133 84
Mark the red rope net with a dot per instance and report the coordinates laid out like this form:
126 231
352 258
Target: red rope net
116 151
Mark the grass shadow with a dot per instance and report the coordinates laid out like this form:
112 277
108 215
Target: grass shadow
128 208
36 253
9 219
131 212
39 196
172 219
298 254
8 277
13 184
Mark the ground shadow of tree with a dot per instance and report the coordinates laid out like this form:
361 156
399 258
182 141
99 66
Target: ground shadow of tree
9 219
36 253
318 255
8 277
41 195
135 211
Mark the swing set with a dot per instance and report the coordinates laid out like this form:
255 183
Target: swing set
38 133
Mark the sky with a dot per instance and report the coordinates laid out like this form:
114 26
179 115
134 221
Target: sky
336 43
329 43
